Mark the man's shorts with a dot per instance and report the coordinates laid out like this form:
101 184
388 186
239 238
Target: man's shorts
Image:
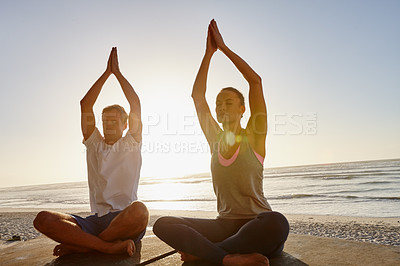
94 225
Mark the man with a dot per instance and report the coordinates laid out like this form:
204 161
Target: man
114 165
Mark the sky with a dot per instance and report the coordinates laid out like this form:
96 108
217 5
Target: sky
330 72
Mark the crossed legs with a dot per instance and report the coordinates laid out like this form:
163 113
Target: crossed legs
224 241
115 239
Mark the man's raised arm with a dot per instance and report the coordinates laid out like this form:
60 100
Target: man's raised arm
135 117
88 121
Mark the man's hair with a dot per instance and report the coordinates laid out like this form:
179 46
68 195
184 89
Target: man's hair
120 109
238 93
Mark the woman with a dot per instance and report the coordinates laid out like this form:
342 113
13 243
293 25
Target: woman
246 231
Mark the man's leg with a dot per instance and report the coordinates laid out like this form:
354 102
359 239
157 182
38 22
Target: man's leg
63 228
128 224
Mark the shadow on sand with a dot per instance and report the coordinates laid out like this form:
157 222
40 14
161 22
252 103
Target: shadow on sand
97 258
284 259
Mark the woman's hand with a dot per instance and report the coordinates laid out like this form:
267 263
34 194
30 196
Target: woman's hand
217 37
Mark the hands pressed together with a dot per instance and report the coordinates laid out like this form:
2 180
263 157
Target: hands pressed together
112 64
214 38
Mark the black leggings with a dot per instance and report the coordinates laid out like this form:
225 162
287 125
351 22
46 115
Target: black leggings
213 239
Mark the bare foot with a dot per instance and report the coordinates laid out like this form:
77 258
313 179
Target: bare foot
64 249
120 247
187 257
254 259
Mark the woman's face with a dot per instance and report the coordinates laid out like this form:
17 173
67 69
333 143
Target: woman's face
228 107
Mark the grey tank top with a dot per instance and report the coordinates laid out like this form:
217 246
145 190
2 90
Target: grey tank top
239 186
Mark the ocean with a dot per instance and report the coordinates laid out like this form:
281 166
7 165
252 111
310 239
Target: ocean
365 189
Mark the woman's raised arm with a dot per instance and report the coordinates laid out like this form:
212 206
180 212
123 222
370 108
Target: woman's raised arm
257 124
208 124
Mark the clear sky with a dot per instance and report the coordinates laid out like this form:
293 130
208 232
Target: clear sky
330 74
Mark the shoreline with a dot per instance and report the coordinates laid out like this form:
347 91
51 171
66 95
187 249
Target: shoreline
343 218
212 214
380 231
313 239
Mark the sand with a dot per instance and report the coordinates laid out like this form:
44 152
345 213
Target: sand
313 240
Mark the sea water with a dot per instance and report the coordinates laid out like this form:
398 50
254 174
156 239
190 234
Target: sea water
368 189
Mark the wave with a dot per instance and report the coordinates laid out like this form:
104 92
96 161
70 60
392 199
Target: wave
357 191
333 175
383 198
188 181
337 177
300 196
371 198
294 196
321 171
343 175
388 165
376 182
282 197
178 200
66 202
47 187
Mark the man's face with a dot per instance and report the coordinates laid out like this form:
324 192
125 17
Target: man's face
112 126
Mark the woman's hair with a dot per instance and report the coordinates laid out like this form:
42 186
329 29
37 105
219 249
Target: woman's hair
238 93
120 109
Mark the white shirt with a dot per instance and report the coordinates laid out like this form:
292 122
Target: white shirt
113 172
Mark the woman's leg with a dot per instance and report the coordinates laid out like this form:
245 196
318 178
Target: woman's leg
265 234
197 236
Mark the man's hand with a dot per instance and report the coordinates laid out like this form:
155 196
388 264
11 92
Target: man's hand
114 61
211 45
108 69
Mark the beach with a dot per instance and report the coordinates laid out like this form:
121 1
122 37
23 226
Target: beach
339 214
329 236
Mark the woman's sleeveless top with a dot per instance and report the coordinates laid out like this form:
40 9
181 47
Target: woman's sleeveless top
239 186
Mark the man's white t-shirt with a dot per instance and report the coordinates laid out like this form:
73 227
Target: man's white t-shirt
113 172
